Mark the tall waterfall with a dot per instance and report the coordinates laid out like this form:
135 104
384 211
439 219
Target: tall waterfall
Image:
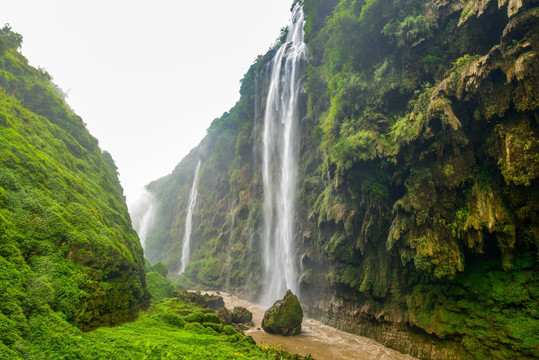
279 162
186 247
142 213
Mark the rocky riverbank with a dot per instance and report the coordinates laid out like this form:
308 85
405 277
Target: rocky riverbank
318 340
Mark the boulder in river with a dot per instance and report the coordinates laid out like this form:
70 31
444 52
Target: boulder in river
241 315
284 317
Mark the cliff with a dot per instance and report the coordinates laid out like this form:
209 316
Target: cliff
68 253
417 216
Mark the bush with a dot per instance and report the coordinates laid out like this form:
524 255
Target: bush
158 286
211 318
217 327
171 319
229 330
161 269
195 317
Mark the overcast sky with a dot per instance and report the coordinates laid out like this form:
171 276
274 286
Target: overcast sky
147 77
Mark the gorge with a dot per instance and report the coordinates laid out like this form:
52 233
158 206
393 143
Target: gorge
413 207
382 162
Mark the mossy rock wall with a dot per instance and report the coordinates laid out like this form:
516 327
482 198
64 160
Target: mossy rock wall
68 252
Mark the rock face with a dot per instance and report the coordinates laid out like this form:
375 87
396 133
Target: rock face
284 317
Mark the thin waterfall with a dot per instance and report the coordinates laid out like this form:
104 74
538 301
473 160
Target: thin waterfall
142 213
279 162
231 242
186 247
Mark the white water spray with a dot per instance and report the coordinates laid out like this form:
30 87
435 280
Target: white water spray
186 247
142 213
279 168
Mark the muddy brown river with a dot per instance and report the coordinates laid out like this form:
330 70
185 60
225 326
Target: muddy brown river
322 342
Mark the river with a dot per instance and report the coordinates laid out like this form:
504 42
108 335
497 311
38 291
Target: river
322 342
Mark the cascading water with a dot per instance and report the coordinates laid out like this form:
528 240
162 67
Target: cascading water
280 158
231 242
186 246
142 213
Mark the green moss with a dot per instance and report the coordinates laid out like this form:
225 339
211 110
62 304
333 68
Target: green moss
158 286
156 334
516 147
69 253
284 317
195 317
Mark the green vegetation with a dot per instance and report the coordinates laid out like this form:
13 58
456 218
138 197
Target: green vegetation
68 255
171 329
157 283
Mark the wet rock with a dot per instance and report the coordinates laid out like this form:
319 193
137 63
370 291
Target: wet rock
241 315
240 327
225 315
284 317
213 302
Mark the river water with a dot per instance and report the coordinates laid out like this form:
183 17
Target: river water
322 342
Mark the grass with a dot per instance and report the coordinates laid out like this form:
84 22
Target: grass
161 332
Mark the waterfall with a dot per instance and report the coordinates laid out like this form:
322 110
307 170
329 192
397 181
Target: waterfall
279 163
142 213
186 247
231 242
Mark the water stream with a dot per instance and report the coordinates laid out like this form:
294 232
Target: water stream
142 213
186 246
279 162
322 342
231 242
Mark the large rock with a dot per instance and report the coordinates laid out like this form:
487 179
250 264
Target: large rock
284 317
213 302
241 315
225 315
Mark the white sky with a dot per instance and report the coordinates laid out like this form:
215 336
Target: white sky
147 77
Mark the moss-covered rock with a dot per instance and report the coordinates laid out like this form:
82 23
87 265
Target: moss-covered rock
209 301
284 317
225 315
241 315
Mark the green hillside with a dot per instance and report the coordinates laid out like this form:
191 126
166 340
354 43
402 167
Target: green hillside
68 253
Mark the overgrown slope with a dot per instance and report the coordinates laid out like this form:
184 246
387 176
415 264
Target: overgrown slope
418 183
68 253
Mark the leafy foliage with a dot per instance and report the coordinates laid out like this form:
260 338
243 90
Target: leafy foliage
166 331
68 252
